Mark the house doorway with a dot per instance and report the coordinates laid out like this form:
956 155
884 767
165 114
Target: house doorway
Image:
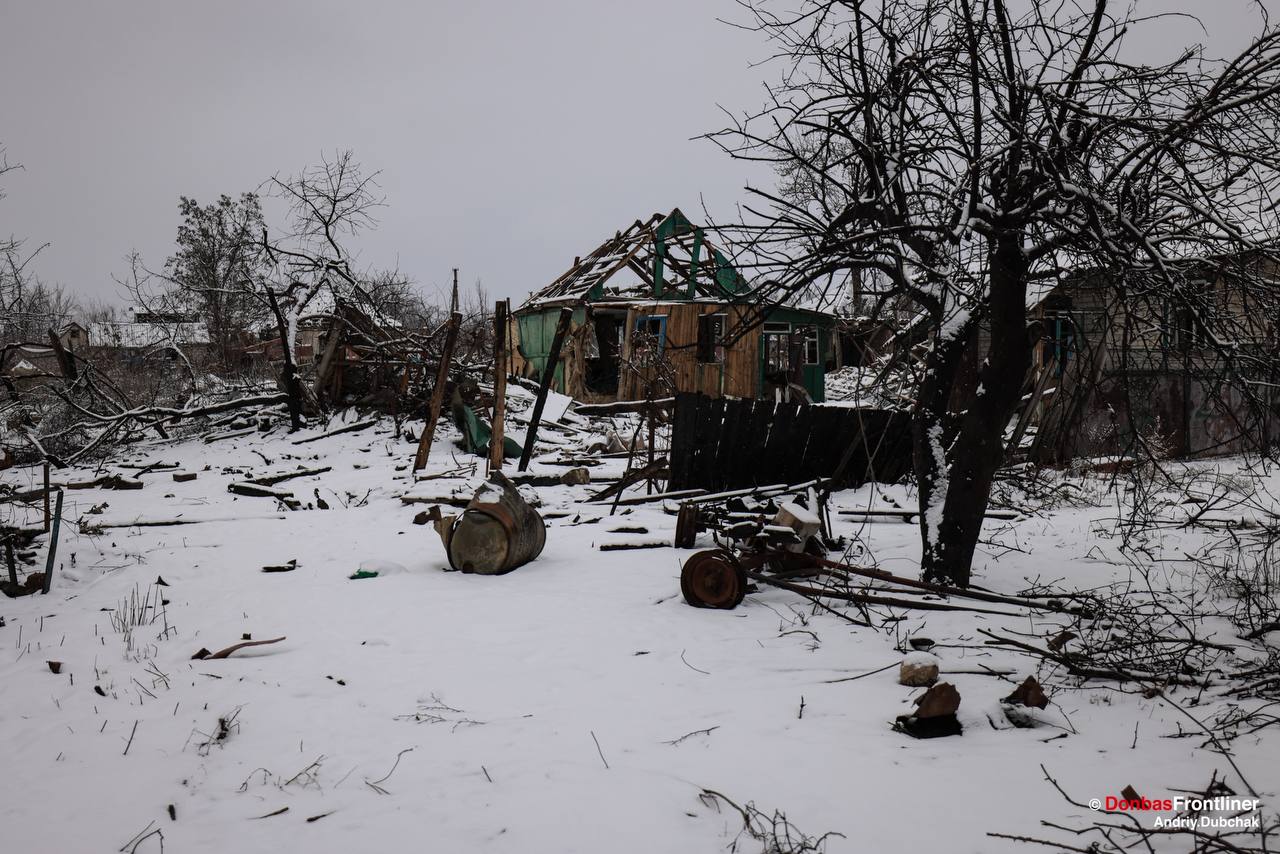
604 352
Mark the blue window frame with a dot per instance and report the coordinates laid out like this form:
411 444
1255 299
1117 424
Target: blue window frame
655 325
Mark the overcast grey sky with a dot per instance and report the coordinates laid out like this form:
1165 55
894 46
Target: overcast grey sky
511 136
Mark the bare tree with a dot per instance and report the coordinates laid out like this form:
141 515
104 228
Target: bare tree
329 203
27 306
956 157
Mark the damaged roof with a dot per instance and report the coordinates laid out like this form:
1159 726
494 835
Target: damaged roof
664 257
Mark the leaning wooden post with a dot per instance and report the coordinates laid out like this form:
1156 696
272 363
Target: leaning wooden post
46 496
53 546
651 484
437 393
497 434
548 374
8 559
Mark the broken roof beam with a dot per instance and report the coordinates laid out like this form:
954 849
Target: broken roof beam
598 267
695 253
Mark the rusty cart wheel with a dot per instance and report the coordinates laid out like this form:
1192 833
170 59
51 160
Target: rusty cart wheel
713 579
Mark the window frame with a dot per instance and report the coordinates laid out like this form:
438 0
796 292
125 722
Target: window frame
779 330
714 348
812 336
660 335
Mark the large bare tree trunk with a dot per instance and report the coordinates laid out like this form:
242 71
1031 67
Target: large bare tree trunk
289 372
957 453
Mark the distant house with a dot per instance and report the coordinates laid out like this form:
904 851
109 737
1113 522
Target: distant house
74 338
1114 369
143 333
325 315
1111 363
659 298
25 366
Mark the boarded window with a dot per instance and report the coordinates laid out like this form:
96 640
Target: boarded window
711 339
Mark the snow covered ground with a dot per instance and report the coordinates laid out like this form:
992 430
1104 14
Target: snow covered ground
576 704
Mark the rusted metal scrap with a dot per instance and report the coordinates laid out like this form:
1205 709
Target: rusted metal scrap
496 532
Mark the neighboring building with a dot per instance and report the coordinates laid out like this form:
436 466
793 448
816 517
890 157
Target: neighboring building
74 338
142 334
1108 364
1151 371
25 366
657 304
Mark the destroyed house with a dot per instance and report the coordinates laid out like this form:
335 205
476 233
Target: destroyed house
657 309
1106 367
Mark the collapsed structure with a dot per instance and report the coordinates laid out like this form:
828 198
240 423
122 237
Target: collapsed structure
658 302
1114 362
1110 366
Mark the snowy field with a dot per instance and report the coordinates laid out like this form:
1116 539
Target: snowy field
576 704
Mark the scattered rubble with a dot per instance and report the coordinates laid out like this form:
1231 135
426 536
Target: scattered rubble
918 670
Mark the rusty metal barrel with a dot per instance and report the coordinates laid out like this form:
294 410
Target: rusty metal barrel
497 532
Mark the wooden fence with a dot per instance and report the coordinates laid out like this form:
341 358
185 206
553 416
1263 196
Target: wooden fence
734 444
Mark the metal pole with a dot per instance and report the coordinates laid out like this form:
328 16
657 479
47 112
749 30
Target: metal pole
437 393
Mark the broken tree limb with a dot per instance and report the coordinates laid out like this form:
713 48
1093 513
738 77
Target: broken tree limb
447 500
657 496
223 653
1076 666
498 432
437 393
326 360
9 561
106 481
350 428
138 419
662 404
865 599
910 514
634 477
757 491
232 434
622 547
65 363
253 490
87 526
26 496
931 587
272 480
548 375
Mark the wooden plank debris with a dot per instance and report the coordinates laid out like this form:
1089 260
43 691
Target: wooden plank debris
662 404
654 469
253 490
350 428
497 435
272 480
53 543
657 496
229 435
